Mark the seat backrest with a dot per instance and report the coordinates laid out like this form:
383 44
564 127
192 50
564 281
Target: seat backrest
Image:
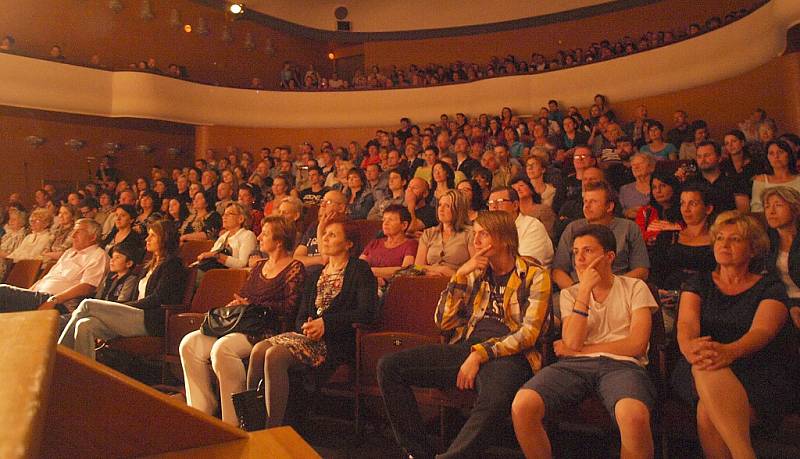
24 273
217 288
410 302
367 231
191 249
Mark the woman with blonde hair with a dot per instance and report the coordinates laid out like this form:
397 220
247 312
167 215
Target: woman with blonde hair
448 245
732 334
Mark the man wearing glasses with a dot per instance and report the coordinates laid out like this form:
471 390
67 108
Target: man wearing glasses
533 239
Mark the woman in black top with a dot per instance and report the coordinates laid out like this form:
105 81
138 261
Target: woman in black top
162 283
732 333
782 210
344 292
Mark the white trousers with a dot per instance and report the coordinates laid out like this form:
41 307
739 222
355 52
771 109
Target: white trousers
202 358
105 320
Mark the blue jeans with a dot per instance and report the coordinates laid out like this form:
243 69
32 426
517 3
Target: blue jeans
437 366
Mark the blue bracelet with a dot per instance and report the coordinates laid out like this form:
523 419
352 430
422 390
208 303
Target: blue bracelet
580 313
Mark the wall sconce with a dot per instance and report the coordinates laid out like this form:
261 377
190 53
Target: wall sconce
146 12
115 5
145 148
75 144
174 151
112 147
175 19
227 37
202 27
248 41
35 140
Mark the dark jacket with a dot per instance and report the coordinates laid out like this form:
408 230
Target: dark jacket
356 303
118 289
165 286
794 255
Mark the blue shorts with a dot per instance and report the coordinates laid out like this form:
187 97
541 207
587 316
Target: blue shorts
568 381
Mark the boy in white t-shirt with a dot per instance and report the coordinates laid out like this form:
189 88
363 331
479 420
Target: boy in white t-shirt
606 333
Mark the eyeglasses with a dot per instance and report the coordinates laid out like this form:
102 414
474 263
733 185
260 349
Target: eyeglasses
327 202
497 202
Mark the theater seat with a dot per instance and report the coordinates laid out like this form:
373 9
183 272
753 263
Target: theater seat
216 289
23 273
191 249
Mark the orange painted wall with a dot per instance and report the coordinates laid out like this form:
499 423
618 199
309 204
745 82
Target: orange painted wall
25 167
88 27
723 104
549 39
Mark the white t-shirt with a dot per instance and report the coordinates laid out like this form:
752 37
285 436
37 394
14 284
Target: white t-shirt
534 240
611 320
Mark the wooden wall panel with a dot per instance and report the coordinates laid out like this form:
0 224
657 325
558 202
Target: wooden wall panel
25 167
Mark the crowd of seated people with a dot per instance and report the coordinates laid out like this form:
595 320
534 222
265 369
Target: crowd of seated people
295 77
510 217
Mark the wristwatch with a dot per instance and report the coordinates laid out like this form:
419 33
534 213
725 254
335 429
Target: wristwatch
53 299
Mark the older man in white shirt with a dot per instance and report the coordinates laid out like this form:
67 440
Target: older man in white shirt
76 275
533 238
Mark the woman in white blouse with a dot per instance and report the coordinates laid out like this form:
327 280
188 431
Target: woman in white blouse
238 240
39 239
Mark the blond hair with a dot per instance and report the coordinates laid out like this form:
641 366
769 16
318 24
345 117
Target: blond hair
789 195
747 227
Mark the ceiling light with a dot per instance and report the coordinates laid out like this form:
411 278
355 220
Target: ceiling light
236 8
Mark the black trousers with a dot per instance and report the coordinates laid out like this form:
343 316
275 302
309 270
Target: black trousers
437 366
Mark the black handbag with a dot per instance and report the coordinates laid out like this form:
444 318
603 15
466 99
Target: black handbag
250 408
235 319
207 264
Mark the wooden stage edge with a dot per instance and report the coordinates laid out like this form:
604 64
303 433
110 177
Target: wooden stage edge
57 403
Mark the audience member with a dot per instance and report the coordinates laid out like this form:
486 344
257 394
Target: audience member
61 235
234 244
490 350
203 223
605 339
75 275
731 332
332 207
162 283
636 194
663 212
447 245
728 192
782 211
333 299
394 251
781 170
630 259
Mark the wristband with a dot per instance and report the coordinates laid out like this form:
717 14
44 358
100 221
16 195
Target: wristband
580 313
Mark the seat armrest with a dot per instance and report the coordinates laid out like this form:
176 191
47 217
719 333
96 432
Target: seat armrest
173 307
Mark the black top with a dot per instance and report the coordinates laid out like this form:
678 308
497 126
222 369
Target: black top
427 215
674 262
165 286
355 303
118 289
724 191
468 166
726 318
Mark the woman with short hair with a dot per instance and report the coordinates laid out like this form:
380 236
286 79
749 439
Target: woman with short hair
234 244
393 251
62 239
732 334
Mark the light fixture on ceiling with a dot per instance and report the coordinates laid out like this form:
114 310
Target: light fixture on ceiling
35 140
75 144
236 8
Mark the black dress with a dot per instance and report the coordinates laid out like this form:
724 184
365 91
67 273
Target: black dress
673 262
726 318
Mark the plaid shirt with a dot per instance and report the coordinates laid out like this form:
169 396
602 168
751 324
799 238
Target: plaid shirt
524 316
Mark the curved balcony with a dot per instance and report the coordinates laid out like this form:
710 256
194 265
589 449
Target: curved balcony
723 53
